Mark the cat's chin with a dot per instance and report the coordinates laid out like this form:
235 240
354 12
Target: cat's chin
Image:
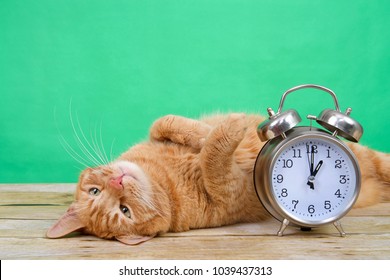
129 169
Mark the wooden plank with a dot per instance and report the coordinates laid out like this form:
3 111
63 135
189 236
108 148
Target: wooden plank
203 247
24 228
58 188
380 209
34 212
31 198
352 225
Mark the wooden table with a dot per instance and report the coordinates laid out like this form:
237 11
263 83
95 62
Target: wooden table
28 210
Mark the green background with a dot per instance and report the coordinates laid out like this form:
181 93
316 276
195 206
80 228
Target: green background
115 66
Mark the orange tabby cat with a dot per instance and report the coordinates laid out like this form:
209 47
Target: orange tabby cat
191 174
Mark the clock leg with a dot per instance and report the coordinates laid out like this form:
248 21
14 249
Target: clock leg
337 224
283 227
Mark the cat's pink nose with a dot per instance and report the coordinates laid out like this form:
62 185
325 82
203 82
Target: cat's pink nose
116 183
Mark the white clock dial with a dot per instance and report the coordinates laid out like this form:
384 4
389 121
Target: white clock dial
314 180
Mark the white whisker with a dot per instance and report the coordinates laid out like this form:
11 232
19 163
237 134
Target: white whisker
79 168
147 198
88 152
72 152
112 145
99 146
96 147
102 145
80 143
67 147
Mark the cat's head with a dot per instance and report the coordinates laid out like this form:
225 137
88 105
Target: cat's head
116 201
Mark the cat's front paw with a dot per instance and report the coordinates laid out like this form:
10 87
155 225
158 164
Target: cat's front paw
235 126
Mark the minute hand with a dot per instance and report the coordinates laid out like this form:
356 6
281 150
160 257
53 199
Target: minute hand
312 161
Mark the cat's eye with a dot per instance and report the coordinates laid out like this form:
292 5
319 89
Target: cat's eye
94 191
125 211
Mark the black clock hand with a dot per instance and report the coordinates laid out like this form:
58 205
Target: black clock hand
312 161
317 168
310 182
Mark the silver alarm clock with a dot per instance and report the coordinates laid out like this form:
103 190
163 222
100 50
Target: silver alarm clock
306 176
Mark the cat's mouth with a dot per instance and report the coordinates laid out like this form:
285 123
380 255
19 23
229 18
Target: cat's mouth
127 174
128 171
119 182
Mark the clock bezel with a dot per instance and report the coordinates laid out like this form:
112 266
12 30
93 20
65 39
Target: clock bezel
264 166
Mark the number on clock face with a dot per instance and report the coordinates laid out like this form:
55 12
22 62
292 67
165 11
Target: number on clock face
313 179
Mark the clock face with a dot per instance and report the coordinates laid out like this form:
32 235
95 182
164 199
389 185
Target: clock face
314 180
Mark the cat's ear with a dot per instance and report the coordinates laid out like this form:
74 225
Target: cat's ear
68 223
133 239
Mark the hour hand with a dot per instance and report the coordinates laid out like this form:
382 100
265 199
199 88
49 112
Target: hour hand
310 181
317 168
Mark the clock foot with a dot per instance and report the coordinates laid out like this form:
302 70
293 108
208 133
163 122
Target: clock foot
283 227
337 224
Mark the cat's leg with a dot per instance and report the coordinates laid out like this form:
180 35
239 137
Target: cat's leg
222 176
180 130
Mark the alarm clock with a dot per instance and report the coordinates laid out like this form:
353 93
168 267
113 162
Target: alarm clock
306 176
